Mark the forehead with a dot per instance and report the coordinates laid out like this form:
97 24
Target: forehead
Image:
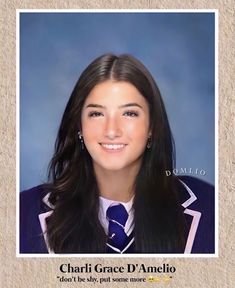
116 92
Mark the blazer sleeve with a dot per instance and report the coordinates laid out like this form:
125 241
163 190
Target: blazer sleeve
31 205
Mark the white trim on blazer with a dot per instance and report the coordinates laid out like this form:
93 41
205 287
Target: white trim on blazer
192 231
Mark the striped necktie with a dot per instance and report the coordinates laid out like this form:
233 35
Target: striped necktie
117 216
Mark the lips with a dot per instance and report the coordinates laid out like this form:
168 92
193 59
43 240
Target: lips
113 147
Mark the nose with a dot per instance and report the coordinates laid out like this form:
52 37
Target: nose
112 128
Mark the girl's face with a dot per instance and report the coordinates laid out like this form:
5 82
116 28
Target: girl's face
115 125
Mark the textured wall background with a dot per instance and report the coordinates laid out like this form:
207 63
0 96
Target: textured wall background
191 272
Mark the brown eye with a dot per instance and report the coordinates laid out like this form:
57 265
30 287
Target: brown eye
131 113
95 114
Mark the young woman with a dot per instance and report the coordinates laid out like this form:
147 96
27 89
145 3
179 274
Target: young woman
108 191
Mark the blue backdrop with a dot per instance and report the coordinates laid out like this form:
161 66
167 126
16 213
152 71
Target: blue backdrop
177 48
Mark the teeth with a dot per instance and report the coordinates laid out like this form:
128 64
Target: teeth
113 146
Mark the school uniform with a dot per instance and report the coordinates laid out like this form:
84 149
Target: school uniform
197 198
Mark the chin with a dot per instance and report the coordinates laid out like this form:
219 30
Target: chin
114 166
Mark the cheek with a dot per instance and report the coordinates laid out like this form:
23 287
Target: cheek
90 130
138 130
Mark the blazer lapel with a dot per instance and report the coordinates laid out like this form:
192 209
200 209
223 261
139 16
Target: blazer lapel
42 219
192 217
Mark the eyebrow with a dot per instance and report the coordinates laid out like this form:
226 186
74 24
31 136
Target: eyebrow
121 106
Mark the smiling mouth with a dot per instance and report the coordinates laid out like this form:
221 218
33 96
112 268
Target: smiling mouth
113 147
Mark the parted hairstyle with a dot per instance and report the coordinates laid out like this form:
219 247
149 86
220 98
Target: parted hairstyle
74 226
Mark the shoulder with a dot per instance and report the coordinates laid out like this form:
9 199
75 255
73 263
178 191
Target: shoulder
37 192
203 192
31 200
196 183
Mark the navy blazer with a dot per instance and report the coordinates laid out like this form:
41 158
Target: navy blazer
197 198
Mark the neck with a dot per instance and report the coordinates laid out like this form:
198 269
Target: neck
116 185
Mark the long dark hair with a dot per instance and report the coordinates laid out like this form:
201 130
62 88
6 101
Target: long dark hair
74 226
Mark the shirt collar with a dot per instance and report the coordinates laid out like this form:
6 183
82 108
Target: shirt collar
105 203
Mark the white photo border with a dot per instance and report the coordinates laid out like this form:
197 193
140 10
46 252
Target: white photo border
18 12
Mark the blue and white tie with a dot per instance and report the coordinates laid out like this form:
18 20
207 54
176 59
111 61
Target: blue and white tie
117 216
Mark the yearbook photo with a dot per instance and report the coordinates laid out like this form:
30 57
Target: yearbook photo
117 140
